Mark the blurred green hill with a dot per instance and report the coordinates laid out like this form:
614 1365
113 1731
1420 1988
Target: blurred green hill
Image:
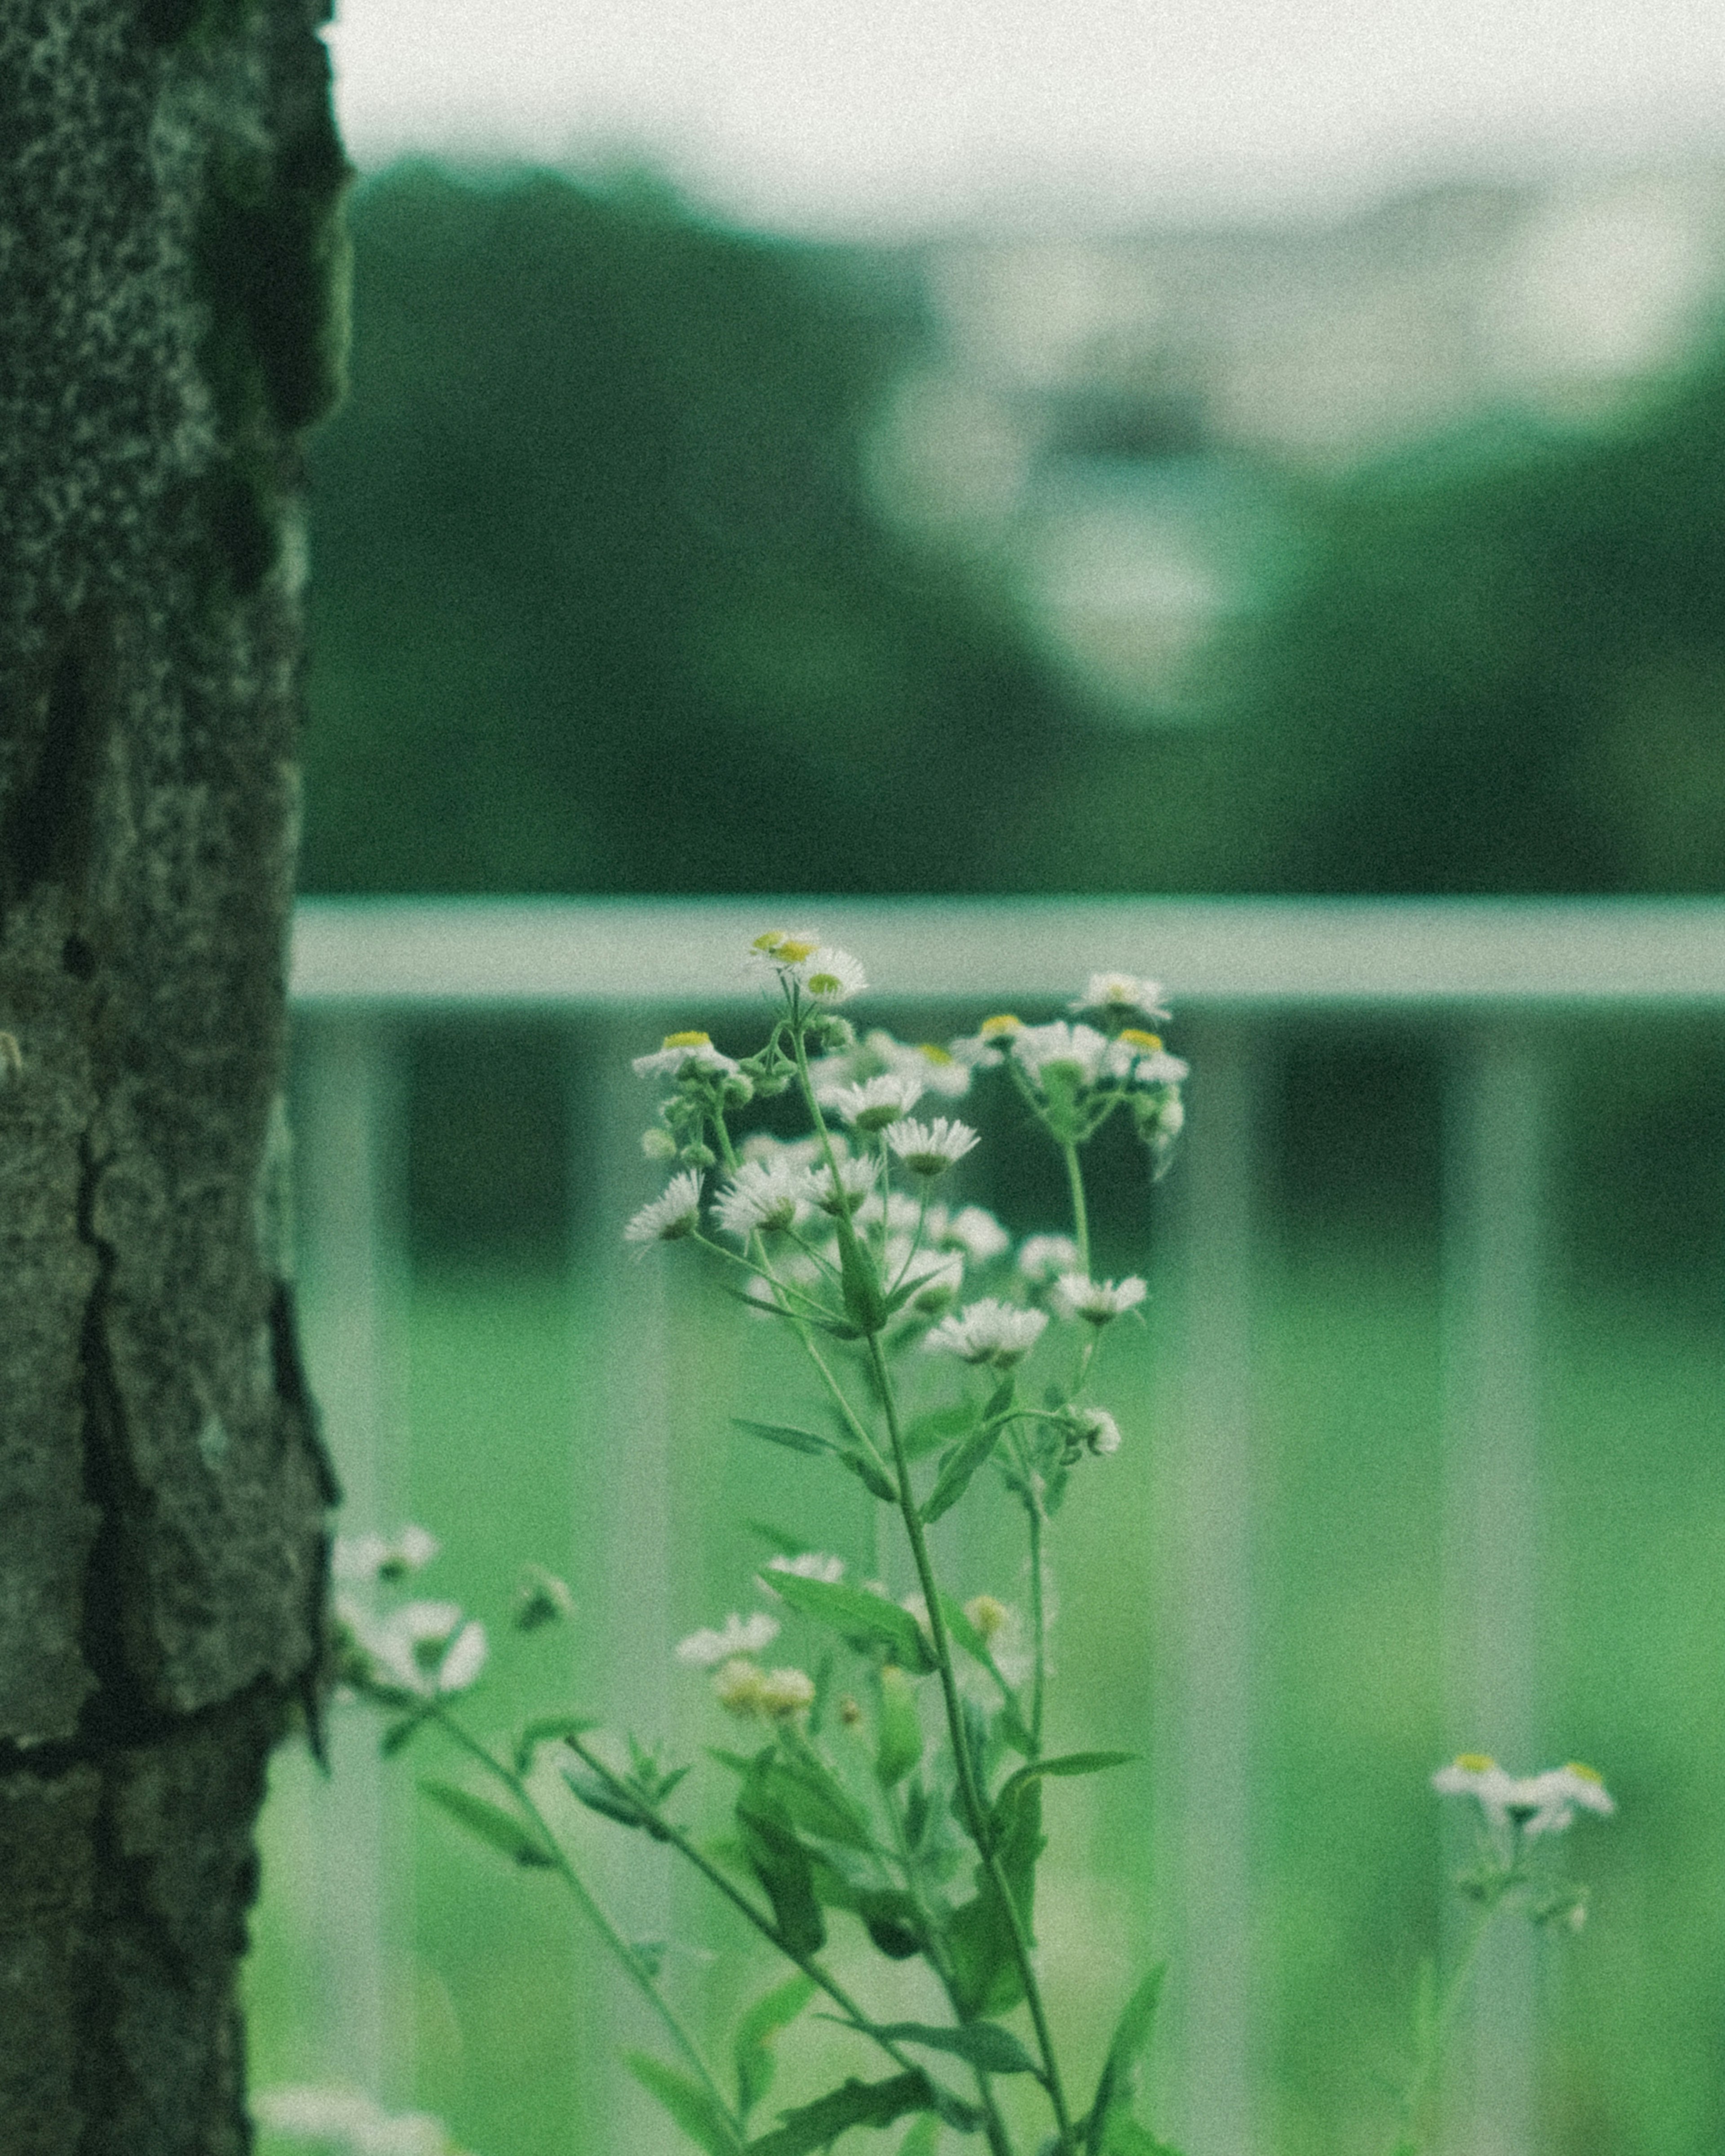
601 603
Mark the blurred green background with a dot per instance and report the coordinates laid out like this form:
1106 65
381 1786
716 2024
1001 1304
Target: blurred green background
630 577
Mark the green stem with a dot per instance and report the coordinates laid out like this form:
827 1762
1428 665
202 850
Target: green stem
1411 2139
591 1909
662 1827
976 1818
1080 1216
1039 1615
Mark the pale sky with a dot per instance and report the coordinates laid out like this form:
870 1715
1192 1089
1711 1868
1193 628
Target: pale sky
853 116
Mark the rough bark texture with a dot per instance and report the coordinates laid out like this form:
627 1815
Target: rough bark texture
169 298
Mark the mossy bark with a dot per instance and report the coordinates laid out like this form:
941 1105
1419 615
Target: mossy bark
170 272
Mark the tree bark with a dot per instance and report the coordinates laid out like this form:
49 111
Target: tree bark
170 321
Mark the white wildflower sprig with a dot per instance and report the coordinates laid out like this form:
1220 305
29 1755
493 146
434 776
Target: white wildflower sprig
972 1229
764 1198
1058 1049
808 1564
739 1636
989 1331
358 1560
930 1149
683 1056
744 1688
826 975
1044 1258
841 1187
1118 993
675 1213
1538 1804
877 1103
985 1049
1097 1301
422 1648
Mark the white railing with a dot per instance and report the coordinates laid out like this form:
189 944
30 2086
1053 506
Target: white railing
1478 969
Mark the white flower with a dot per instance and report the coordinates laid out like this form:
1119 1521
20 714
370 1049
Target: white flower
1042 1257
901 1213
676 1211
973 1230
812 1564
832 976
939 1275
786 1692
1541 1804
855 1180
1142 1058
683 1053
423 1647
1121 992
1098 1429
937 1069
358 1559
784 950
989 1331
764 1196
877 1101
1097 1301
461 1665
982 1050
1079 1048
350 2122
741 1636
930 1149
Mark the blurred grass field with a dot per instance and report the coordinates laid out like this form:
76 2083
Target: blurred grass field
509 2017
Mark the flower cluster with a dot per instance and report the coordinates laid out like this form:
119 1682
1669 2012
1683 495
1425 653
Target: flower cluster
1535 1803
419 1650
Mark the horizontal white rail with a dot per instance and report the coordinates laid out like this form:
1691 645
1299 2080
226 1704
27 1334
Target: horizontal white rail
421 953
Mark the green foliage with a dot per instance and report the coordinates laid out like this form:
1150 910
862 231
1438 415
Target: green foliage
490 1823
901 1745
752 2048
863 1620
688 2102
816 2126
964 1459
1110 2126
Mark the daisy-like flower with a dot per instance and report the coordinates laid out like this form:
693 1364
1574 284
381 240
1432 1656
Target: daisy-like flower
900 1212
855 1180
982 1050
1117 993
811 1565
1141 1057
763 1197
685 1054
831 976
740 1636
423 1647
937 1069
674 1213
1044 1258
1097 1301
989 1331
876 1102
972 1229
1539 1803
989 1615
357 1560
737 1685
930 1149
1078 1049
764 1149
783 950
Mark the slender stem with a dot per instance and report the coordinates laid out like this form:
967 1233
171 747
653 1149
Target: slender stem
1038 1614
1080 1216
650 1814
590 1907
976 1817
1411 2138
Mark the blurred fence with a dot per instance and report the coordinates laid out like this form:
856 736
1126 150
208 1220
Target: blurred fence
1481 975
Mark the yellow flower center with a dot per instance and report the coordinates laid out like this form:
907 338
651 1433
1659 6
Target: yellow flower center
824 984
791 953
1475 1762
1150 1042
931 1054
1586 1773
688 1040
992 1029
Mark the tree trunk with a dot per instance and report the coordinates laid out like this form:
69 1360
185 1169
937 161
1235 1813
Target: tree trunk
170 276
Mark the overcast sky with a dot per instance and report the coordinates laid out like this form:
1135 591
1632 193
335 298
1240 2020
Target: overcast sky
851 115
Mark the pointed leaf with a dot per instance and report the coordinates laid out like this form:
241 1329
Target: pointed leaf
598 1796
863 1620
1068 1762
490 1822
785 1433
689 2103
869 1475
928 1433
958 1468
1118 2083
400 1734
752 2046
901 1745
859 1281
779 1540
984 2044
892 1922
781 1865
921 2139
817 2125
543 1730
813 1799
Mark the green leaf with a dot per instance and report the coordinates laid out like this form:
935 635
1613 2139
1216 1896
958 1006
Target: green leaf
817 2125
921 2139
859 1281
786 1435
778 1539
984 2044
1125 2136
963 1462
598 1795
901 1745
1068 1762
502 1829
543 1730
928 1433
689 2103
781 1865
863 1620
891 1918
752 2046
1118 2084
869 1475
400 1734
813 1798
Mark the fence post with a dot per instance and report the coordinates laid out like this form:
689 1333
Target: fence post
1490 1555
1203 1723
355 1839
